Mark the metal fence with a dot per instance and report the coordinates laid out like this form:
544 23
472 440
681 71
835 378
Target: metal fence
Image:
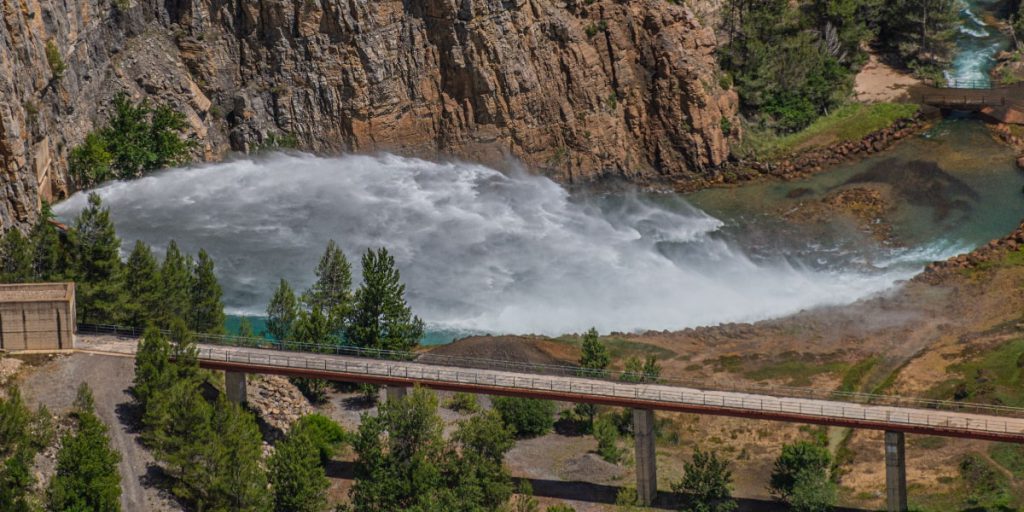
427 358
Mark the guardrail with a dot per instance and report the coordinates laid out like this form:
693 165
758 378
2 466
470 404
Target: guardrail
965 101
655 394
959 83
428 358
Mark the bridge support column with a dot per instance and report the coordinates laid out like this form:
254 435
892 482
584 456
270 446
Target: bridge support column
234 383
895 472
396 392
646 461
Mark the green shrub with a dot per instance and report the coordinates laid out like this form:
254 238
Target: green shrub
327 435
560 508
527 417
607 436
53 58
463 402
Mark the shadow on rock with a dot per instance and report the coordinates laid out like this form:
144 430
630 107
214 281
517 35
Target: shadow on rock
921 183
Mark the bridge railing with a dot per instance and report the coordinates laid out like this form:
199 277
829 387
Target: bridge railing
961 83
935 422
572 371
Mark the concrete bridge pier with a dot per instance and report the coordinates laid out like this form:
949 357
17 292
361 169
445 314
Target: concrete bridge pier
234 383
646 461
895 472
394 392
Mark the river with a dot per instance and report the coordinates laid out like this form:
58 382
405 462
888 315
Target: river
486 252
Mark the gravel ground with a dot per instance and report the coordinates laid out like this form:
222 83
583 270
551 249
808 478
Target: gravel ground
54 384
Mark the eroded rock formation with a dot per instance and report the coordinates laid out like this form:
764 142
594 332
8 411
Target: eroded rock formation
575 89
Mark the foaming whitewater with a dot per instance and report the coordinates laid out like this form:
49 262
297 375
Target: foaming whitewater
479 250
977 44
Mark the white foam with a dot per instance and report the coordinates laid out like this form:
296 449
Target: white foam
478 250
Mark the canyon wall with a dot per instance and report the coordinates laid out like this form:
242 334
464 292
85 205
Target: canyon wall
578 90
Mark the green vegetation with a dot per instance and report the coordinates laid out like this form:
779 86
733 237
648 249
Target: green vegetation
211 451
801 478
594 361
380 317
23 434
138 138
854 376
404 462
607 436
282 311
463 402
326 435
921 32
706 483
992 377
54 59
851 122
87 478
526 417
794 372
635 370
331 294
297 477
987 488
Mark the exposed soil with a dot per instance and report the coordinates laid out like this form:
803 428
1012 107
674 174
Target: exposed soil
878 82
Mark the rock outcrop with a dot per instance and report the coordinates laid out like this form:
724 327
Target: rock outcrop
575 89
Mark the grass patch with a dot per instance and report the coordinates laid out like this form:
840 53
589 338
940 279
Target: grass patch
854 375
621 349
1004 260
979 487
994 377
794 373
1009 456
928 442
848 123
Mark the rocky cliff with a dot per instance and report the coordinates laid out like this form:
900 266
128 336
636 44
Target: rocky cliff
576 89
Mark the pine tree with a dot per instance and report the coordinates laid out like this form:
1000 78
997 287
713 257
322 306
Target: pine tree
380 317
312 328
22 436
281 312
48 260
296 476
921 31
245 328
97 264
331 294
594 359
17 259
176 287
706 483
208 310
142 287
153 367
239 480
87 476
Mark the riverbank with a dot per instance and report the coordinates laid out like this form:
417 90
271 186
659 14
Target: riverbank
910 342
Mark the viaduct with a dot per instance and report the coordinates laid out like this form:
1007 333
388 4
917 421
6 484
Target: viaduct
397 371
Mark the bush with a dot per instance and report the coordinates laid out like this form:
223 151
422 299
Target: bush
560 508
53 58
607 436
801 477
527 417
327 435
707 483
463 402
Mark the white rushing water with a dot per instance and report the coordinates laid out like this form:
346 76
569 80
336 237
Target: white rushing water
478 250
977 44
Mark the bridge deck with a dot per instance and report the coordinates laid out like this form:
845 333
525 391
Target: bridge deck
581 389
970 99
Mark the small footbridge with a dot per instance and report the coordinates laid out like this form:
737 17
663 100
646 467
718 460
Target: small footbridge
970 95
894 415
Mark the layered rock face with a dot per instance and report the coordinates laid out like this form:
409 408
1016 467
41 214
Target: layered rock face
575 89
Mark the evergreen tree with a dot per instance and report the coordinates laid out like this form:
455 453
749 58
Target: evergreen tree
176 287
142 287
153 367
245 328
636 370
594 359
801 477
239 481
22 435
921 31
707 483
312 328
48 260
281 312
296 476
17 262
527 417
87 478
97 264
208 310
331 294
380 317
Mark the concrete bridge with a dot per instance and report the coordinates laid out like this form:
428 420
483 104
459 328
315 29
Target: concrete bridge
893 415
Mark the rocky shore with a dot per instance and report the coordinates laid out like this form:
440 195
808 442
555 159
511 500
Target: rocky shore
809 162
981 257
